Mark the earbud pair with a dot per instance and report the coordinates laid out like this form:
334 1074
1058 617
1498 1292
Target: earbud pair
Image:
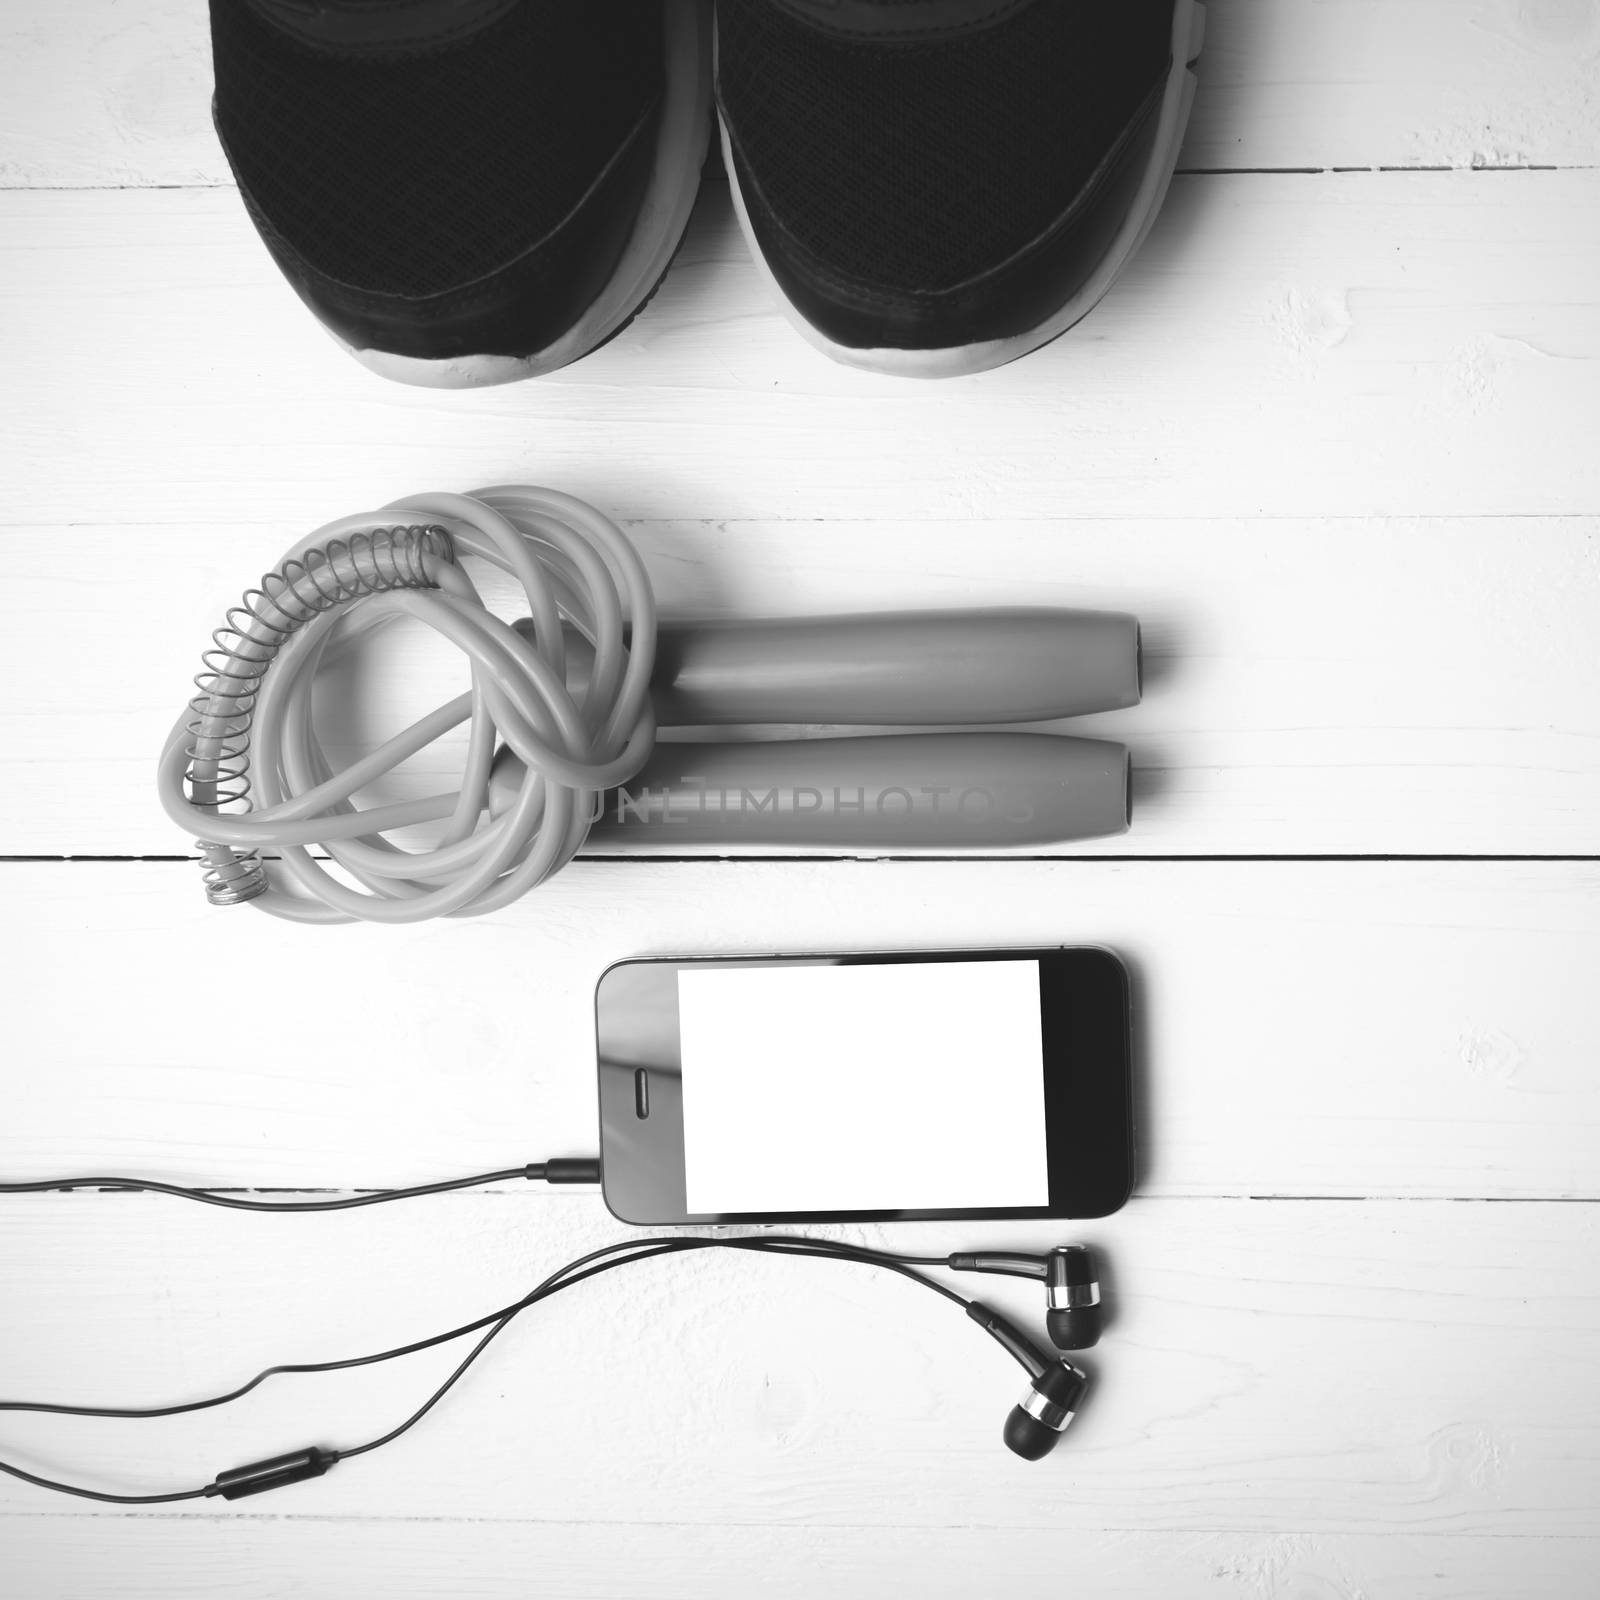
1072 1316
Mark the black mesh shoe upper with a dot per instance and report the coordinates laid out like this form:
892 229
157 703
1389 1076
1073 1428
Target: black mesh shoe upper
383 178
892 168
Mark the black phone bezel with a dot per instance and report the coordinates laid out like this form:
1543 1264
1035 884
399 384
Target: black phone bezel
1085 1027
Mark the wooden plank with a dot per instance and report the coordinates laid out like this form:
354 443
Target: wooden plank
1336 1368
1340 687
256 1558
1397 83
94 95
1428 344
1332 437
1365 1028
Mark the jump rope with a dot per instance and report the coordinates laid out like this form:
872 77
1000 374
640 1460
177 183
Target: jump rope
563 709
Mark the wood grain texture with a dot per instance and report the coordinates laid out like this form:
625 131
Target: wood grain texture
1332 437
1410 344
95 94
1351 1029
353 1559
1348 1368
1383 687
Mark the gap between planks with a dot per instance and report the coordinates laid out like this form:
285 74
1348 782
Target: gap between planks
716 179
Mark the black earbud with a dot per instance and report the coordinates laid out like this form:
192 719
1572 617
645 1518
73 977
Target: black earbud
1051 1401
1073 1313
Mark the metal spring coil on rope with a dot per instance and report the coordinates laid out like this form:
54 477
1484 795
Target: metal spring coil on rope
248 642
281 828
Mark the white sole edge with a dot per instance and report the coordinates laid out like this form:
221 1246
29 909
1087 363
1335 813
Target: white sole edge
1188 30
657 231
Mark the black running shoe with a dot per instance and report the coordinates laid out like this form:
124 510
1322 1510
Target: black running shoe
939 186
466 191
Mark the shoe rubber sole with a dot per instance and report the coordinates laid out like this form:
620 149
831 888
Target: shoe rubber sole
1188 30
681 146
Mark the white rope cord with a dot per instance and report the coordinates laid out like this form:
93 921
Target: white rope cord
243 765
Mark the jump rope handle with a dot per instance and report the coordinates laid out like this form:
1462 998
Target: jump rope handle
901 669
925 790
969 790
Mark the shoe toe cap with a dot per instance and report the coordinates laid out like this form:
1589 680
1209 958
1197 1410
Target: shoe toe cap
1003 300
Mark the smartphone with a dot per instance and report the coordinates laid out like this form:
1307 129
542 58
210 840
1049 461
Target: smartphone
856 1088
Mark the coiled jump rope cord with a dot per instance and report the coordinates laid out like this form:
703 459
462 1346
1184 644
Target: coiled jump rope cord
243 766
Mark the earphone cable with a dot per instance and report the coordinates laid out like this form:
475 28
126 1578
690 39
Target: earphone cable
572 1273
567 1278
296 1368
101 1494
596 1262
571 1171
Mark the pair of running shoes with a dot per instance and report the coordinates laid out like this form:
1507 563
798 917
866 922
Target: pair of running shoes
471 192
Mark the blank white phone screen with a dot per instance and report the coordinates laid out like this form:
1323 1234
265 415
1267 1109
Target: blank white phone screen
911 1086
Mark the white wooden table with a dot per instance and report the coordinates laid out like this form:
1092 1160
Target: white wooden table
1335 437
